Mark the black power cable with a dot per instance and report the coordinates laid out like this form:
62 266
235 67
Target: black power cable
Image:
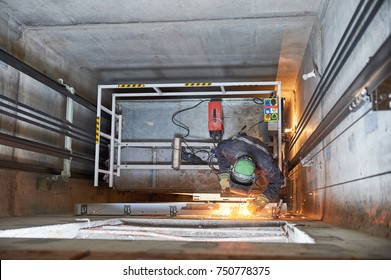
258 101
255 125
190 154
181 125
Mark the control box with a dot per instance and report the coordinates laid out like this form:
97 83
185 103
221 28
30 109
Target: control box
270 109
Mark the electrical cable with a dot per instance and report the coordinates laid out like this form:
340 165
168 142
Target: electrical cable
181 125
211 165
255 125
192 156
192 153
258 101
220 120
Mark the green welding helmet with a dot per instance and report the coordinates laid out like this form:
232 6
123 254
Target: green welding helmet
243 171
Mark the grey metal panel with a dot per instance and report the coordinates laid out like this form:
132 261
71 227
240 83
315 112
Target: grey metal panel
152 119
136 155
196 181
134 180
243 112
167 180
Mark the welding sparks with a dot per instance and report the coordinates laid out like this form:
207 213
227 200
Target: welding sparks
240 211
233 211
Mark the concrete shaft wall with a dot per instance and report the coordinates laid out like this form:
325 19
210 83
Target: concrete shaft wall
348 180
341 187
21 194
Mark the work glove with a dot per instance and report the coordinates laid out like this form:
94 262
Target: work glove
255 206
224 182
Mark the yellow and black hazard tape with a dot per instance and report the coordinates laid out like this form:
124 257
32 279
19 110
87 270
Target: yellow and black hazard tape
97 130
197 84
131 85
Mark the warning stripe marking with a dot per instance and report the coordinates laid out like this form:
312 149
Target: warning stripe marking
197 84
97 130
131 85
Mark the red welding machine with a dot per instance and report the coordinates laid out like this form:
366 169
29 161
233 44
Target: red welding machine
215 120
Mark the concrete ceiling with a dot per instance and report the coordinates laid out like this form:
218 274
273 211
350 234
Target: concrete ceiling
173 41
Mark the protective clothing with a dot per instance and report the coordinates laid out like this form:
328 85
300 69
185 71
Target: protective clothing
229 151
224 181
255 206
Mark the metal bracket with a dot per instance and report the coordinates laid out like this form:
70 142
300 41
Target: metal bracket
173 211
83 209
127 210
381 101
307 161
359 100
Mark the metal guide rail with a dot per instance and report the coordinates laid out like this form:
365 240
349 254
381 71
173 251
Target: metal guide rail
173 209
157 91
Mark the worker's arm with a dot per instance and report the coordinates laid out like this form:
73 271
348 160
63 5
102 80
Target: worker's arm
270 172
224 164
274 186
224 168
274 176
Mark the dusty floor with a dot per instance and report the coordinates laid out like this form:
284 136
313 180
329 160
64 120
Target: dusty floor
330 243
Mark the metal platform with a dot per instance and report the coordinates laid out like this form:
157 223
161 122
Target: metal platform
141 131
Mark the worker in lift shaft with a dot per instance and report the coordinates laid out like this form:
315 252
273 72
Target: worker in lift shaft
241 160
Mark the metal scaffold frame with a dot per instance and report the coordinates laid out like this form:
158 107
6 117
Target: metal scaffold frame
160 91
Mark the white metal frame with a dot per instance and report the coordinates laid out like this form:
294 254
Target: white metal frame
114 169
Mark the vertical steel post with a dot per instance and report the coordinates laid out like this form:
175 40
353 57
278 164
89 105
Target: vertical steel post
97 135
112 141
279 126
119 144
66 172
154 172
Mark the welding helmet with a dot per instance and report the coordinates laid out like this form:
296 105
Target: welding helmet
242 175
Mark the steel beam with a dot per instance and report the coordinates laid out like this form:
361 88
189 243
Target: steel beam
363 15
68 132
40 77
376 71
162 167
196 93
164 144
42 116
188 85
8 164
21 143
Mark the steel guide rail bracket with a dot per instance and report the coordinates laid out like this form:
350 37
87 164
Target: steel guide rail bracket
162 91
171 209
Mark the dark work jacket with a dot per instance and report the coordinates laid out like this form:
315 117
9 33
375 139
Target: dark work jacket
229 150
